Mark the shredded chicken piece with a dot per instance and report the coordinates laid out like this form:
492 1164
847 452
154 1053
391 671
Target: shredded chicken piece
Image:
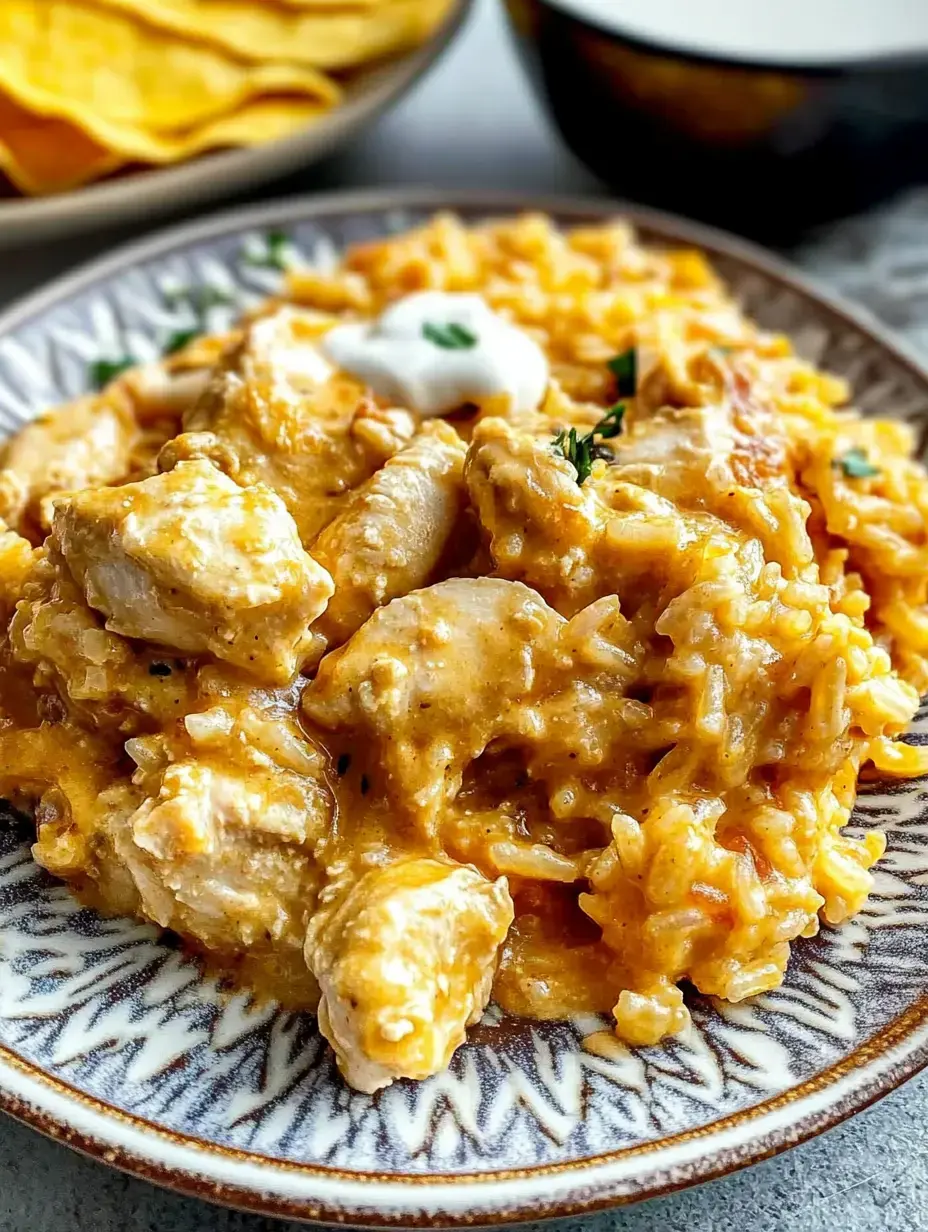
392 531
543 529
431 679
405 964
190 560
88 444
220 830
276 412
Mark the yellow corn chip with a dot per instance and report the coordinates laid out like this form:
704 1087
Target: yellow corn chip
326 39
110 74
260 120
328 4
48 155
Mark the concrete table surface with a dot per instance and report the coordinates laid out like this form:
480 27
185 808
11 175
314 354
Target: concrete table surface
473 123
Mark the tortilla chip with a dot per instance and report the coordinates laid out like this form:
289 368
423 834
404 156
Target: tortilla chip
331 4
258 121
110 74
334 39
47 155
39 155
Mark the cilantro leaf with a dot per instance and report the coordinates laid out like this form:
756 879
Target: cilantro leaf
856 464
450 337
102 371
274 254
582 451
199 298
578 450
624 368
611 423
178 340
277 250
211 296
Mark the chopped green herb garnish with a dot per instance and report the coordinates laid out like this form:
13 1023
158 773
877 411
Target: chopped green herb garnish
611 423
178 340
273 254
277 244
578 450
582 451
102 371
212 296
856 464
451 337
159 669
624 368
200 299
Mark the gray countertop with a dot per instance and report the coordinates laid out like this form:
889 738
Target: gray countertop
473 123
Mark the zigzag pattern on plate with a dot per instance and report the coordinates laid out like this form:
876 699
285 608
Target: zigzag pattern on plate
112 1009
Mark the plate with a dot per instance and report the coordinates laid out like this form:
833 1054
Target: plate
368 93
122 1047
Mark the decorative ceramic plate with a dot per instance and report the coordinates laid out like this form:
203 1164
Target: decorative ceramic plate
368 93
119 1045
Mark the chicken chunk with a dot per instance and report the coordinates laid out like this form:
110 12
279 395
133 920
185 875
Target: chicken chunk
543 528
190 560
84 445
430 680
404 964
221 846
392 531
102 679
693 454
219 833
277 412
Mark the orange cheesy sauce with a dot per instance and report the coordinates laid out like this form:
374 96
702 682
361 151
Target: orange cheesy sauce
557 696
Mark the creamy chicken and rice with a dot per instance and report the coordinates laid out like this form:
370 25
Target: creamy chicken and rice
502 614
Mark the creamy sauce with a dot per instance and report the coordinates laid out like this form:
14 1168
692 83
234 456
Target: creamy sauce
434 351
788 31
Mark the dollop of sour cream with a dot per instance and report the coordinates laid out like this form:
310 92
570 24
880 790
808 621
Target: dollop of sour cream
433 351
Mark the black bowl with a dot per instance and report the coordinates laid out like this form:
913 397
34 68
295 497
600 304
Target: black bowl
765 149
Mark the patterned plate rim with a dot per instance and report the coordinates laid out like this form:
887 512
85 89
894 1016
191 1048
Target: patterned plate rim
261 1184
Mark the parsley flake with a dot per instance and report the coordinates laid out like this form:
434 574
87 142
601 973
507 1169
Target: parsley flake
102 371
624 368
159 669
274 253
578 450
582 451
450 337
178 340
200 299
856 464
611 423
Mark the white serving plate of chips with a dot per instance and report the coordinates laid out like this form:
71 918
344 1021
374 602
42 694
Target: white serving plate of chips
151 192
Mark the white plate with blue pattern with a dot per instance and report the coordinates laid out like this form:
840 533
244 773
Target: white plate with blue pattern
117 1043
